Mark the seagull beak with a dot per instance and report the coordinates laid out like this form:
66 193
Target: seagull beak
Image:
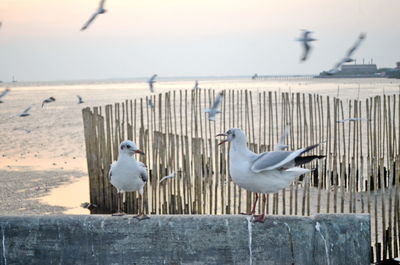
139 152
222 134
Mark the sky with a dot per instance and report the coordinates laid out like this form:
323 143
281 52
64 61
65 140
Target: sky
40 40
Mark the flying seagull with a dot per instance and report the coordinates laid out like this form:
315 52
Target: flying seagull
2 94
48 100
263 173
215 107
80 100
352 119
100 10
305 39
196 84
151 82
150 103
127 174
347 58
281 144
25 112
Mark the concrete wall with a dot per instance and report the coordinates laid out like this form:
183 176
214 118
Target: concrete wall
98 239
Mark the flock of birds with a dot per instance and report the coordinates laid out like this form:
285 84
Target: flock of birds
26 113
305 40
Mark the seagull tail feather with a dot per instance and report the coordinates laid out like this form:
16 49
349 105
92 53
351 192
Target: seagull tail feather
301 160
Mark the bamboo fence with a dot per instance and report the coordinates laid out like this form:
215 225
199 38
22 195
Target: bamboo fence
360 173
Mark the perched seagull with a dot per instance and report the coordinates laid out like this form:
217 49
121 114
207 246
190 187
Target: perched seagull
173 175
2 94
196 84
281 144
352 119
25 112
267 172
214 109
305 39
100 10
347 58
48 100
151 82
127 174
80 100
150 103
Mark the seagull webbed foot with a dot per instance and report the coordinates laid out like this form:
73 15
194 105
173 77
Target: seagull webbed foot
260 218
141 217
118 214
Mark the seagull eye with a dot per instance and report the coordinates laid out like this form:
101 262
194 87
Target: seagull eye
128 146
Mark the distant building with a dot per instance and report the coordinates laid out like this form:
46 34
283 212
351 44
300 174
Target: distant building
358 69
354 71
398 66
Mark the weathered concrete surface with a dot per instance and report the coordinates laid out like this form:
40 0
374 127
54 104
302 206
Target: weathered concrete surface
323 239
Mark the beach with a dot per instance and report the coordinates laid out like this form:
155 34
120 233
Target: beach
43 166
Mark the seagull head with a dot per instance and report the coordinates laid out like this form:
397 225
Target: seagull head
130 148
234 135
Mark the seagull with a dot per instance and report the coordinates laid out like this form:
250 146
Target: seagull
281 146
254 76
347 58
267 172
173 175
214 109
25 112
305 39
100 10
2 94
151 82
127 174
48 100
196 84
80 100
352 119
150 103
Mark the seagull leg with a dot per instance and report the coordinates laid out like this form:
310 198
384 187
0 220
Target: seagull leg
119 212
141 216
261 217
253 210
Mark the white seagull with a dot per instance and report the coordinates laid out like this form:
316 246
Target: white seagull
215 107
196 84
48 100
80 99
100 10
281 144
151 82
352 119
173 175
150 103
127 174
267 172
2 94
305 39
347 58
25 112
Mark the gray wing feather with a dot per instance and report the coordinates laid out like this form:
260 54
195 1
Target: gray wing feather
217 102
111 168
143 171
89 21
269 159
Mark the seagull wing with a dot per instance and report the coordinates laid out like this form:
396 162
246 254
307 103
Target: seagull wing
143 171
277 159
110 171
5 92
151 80
27 110
217 102
167 177
102 4
306 50
356 45
281 143
90 21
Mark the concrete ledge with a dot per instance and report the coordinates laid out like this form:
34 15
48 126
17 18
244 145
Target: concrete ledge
194 239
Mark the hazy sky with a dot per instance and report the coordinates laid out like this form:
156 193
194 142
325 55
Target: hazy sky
41 40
